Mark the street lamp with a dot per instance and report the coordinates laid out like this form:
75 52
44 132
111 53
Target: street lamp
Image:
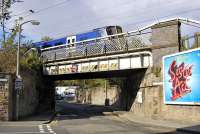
18 80
33 22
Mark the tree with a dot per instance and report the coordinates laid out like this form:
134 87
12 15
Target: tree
46 38
8 54
5 15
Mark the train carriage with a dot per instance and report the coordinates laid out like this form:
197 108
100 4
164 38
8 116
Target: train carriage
76 43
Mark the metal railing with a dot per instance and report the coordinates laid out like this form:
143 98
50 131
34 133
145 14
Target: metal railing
190 42
99 46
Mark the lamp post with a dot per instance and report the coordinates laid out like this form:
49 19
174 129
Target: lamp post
18 80
33 22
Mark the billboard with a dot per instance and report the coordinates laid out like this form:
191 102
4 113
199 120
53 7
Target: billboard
181 77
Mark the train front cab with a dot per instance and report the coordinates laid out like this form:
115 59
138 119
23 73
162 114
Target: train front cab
116 42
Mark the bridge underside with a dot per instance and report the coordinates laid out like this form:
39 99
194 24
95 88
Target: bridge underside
95 75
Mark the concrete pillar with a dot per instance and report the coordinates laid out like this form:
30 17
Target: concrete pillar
130 87
165 40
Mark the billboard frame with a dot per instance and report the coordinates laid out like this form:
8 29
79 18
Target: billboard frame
164 99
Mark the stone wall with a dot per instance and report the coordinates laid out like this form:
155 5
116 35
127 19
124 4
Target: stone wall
28 96
165 40
37 94
7 105
97 95
152 105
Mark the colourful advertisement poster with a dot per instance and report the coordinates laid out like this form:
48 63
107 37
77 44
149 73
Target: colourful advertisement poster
181 77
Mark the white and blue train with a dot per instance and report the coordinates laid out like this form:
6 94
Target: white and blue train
70 40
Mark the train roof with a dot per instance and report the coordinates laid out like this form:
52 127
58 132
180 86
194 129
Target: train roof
63 39
92 30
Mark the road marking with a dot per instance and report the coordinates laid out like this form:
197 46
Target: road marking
50 129
41 129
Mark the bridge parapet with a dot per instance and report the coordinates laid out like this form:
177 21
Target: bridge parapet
142 59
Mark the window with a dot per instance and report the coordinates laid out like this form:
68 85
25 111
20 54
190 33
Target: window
73 40
111 30
119 29
68 41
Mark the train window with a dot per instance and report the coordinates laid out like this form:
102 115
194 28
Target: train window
119 29
111 30
68 41
73 40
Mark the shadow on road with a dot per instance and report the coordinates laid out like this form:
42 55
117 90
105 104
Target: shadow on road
41 116
65 111
185 130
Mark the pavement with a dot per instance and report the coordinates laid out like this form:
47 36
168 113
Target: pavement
41 118
96 119
182 126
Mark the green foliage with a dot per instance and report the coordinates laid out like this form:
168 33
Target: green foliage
46 38
8 55
10 41
31 61
8 60
157 71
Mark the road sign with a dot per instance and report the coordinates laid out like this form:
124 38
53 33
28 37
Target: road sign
18 84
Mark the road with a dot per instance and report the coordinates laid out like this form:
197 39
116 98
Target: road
82 119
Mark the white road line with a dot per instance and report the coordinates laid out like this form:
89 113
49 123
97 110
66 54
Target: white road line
41 129
50 129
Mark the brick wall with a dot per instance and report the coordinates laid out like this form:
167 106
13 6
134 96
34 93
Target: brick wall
6 97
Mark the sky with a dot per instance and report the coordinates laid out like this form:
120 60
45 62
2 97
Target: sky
59 18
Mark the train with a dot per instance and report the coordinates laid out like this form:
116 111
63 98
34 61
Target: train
70 40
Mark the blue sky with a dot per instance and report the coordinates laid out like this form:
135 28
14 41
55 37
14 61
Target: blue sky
59 18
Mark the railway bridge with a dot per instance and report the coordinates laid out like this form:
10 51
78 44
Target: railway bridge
103 57
135 56
115 55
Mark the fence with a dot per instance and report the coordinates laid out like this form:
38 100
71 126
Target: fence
190 42
99 46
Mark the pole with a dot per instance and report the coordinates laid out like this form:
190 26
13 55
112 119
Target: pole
107 103
106 89
18 50
3 27
3 20
17 71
